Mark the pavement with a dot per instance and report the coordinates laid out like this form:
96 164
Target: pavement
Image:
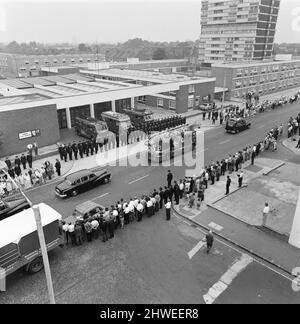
290 144
237 217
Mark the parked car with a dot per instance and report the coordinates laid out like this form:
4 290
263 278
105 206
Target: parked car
236 125
12 205
81 181
84 210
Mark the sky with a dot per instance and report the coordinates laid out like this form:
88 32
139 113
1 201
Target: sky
112 21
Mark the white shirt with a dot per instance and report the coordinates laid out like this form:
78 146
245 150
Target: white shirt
140 207
136 203
149 203
168 205
266 210
181 186
153 200
94 224
115 213
127 210
71 228
65 227
131 206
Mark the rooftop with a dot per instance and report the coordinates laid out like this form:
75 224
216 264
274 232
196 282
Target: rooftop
4 101
250 64
150 76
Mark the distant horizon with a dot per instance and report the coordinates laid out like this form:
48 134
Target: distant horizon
116 21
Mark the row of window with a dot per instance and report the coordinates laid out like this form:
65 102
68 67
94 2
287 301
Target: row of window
264 89
272 83
266 69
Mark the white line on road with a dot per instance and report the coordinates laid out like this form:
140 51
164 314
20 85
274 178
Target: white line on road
196 248
261 126
218 288
239 251
101 196
141 178
227 141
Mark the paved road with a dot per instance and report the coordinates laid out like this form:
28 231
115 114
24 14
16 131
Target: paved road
154 261
148 262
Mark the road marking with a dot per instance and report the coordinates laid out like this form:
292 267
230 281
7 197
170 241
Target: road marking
196 248
141 178
261 126
227 141
101 196
239 251
215 226
218 288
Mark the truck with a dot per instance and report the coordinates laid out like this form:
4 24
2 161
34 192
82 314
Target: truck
92 129
19 241
116 122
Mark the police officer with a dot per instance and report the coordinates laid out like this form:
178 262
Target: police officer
75 150
80 149
8 163
70 151
60 151
65 153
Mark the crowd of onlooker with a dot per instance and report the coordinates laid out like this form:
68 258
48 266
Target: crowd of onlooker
104 223
294 126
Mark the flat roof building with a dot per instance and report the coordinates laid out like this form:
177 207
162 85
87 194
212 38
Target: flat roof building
41 106
260 77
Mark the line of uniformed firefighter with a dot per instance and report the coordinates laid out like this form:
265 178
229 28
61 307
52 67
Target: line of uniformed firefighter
78 149
159 125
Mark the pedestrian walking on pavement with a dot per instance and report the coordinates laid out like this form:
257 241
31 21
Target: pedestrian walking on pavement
266 212
168 209
209 241
240 179
228 183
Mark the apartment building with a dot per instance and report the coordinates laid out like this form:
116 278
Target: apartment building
261 77
17 65
237 30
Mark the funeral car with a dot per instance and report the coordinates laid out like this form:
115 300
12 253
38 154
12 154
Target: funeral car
81 181
236 125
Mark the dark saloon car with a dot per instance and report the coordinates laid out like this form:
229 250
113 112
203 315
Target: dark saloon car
236 125
12 205
82 180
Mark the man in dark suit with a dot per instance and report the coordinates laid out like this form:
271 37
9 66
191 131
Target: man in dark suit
176 193
8 163
80 149
169 178
161 194
166 195
70 151
18 170
17 161
75 150
23 161
228 183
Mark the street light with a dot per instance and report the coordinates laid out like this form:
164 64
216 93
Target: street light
37 215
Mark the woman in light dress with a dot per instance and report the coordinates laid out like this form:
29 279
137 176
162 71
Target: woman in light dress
27 181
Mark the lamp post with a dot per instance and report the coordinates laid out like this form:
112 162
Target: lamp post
37 215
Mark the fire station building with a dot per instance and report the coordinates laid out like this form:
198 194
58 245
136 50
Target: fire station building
37 108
